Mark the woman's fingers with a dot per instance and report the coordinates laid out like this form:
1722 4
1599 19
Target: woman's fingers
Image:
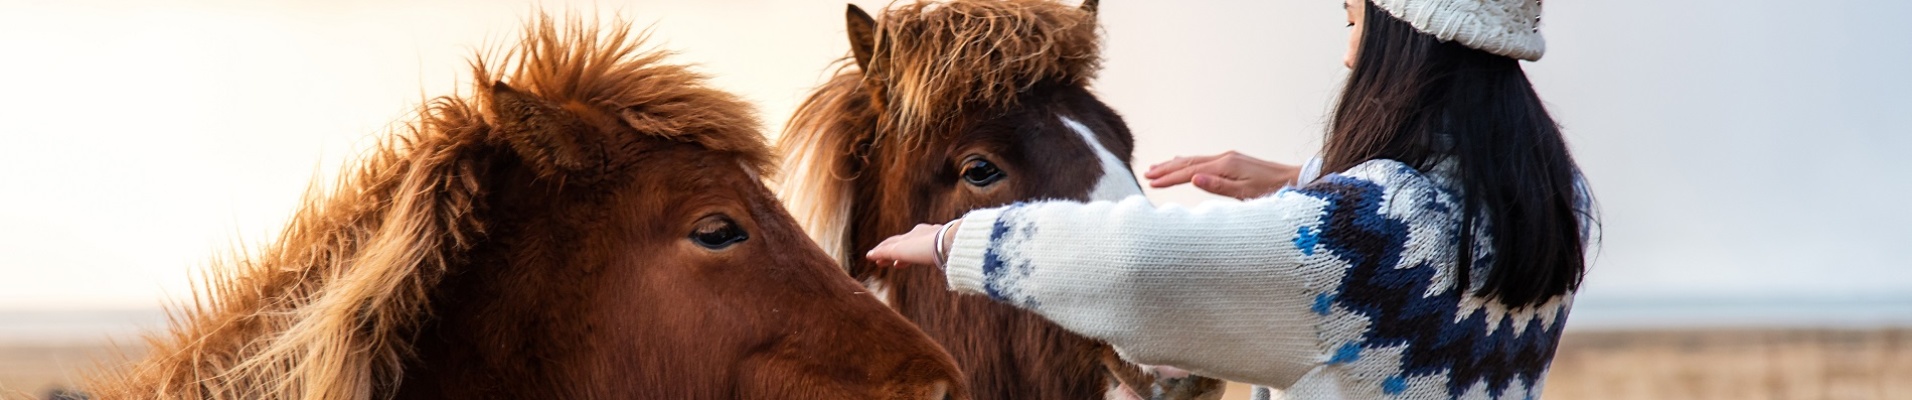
915 247
1217 184
1229 174
1179 164
1164 167
1224 164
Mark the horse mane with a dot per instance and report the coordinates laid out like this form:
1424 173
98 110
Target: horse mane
820 153
329 309
931 62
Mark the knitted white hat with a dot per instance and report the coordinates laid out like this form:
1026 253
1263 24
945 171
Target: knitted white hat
1506 27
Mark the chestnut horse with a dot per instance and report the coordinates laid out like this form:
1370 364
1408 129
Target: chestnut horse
588 224
949 107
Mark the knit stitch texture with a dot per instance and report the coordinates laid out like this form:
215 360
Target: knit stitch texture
1506 27
1344 288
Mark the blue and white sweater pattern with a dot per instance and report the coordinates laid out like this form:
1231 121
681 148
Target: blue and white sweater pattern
1343 288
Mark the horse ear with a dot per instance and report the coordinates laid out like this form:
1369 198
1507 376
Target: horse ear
1091 6
546 136
862 30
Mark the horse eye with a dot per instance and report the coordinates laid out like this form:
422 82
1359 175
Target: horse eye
717 232
980 172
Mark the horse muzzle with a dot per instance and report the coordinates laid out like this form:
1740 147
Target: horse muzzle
1146 382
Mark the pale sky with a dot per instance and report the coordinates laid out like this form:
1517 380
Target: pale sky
1739 149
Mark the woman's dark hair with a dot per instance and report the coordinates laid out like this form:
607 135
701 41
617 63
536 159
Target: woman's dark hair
1416 99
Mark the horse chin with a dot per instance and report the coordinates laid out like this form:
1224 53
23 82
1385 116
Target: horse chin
1121 392
1153 382
1188 387
1184 388
792 377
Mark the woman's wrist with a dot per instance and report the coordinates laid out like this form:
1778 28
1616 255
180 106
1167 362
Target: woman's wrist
942 242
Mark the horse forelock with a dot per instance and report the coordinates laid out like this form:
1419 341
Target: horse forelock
937 59
614 71
328 309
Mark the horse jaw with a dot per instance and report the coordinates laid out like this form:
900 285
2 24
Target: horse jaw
1117 181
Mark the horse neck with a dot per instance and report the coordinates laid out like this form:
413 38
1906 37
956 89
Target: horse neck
501 326
452 361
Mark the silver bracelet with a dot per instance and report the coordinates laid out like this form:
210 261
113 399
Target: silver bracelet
943 255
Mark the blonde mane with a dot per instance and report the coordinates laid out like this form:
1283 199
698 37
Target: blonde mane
931 62
328 311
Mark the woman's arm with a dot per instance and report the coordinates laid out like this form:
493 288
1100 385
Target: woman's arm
1241 291
1220 289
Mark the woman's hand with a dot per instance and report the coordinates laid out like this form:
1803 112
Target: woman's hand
916 247
1229 174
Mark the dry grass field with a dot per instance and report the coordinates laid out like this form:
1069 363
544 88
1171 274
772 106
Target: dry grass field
30 371
1728 364
1699 365
1741 365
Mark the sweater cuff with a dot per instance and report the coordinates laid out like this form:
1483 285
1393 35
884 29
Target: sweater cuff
964 270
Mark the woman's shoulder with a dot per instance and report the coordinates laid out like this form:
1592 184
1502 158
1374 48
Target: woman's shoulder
1386 187
1384 172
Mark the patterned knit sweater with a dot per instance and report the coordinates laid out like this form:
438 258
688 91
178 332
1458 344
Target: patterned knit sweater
1343 288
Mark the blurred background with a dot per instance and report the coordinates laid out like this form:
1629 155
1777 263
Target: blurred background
1746 155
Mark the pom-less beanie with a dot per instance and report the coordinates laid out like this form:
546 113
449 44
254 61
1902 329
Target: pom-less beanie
1506 27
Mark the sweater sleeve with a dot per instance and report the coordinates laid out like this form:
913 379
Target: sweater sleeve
1221 289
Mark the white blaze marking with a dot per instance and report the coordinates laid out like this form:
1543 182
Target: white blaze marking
1117 182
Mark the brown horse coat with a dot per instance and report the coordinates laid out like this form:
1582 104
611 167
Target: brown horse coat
587 224
949 106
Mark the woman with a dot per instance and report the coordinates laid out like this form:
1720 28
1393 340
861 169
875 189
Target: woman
1437 259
